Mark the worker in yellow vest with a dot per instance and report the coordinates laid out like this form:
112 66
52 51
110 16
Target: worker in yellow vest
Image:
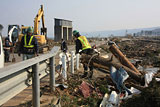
28 45
83 46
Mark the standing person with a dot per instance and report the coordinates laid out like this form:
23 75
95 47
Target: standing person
7 47
64 46
83 44
28 45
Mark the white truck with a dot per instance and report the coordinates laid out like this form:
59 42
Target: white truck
1 49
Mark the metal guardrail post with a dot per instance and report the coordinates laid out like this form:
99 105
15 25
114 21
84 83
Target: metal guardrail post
52 74
72 62
36 85
64 67
77 61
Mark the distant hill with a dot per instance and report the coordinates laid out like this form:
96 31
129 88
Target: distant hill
121 32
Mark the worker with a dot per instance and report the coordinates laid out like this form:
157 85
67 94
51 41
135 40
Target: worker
64 46
7 47
28 45
83 45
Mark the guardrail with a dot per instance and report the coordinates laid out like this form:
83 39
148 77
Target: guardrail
15 78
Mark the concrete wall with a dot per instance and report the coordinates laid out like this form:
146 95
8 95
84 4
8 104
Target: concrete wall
57 33
62 29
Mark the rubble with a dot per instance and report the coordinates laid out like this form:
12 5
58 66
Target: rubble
137 78
94 92
150 97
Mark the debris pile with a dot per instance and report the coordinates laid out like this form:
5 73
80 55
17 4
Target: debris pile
137 77
103 89
146 52
146 49
82 91
150 97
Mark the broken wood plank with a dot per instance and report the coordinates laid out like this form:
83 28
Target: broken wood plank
123 59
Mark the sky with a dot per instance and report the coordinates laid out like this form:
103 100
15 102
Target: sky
87 15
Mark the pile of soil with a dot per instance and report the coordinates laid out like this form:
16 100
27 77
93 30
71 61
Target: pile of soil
150 97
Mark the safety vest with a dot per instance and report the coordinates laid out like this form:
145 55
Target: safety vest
84 42
29 44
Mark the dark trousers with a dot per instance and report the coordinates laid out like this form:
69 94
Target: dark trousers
7 54
89 51
86 67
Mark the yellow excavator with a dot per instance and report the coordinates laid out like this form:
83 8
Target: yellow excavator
41 35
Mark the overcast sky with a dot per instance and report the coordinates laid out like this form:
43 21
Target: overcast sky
87 15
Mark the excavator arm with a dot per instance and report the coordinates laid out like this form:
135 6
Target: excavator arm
37 20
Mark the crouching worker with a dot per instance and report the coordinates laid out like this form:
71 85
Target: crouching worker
83 44
28 45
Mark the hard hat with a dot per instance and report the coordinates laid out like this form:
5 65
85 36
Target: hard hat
29 30
75 32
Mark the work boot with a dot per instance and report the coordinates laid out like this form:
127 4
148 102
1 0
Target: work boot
84 74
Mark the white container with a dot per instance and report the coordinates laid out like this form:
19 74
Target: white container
104 101
113 98
1 54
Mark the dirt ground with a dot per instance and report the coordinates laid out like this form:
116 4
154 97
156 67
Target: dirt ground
145 50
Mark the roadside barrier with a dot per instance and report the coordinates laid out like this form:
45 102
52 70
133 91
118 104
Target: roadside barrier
17 77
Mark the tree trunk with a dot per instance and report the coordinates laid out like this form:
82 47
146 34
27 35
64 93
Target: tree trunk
123 59
100 62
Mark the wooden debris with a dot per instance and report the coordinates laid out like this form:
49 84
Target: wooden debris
123 59
99 61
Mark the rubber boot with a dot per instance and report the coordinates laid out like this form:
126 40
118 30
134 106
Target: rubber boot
84 74
90 74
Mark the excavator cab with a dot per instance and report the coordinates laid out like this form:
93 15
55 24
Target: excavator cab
13 33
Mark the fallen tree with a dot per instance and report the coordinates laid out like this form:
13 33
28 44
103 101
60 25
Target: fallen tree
101 62
122 58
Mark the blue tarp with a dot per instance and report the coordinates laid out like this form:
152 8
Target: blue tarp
118 77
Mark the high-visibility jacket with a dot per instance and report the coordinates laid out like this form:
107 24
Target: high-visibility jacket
84 42
29 45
